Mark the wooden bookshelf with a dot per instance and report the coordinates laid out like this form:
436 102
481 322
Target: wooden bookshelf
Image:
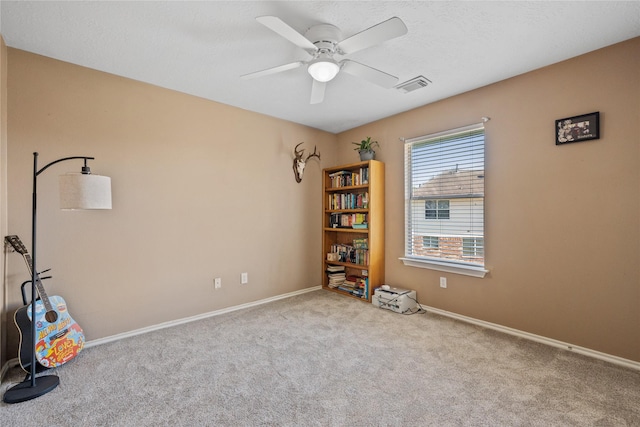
354 193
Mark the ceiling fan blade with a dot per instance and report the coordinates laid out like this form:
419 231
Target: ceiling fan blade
273 70
317 92
386 30
370 74
277 25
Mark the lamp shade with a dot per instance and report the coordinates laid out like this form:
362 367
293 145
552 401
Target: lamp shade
323 69
85 191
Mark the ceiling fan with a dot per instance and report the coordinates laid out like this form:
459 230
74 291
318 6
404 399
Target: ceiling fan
323 42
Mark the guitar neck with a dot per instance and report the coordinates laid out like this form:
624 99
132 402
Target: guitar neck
43 294
19 247
29 262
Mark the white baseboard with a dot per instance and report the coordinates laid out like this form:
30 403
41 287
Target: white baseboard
100 341
627 363
494 326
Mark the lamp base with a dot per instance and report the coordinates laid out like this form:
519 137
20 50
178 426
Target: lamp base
24 391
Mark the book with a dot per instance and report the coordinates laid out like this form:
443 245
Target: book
349 179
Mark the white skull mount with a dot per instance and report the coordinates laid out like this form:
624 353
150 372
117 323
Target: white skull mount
299 163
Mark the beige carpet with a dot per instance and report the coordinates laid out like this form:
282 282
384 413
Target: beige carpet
320 359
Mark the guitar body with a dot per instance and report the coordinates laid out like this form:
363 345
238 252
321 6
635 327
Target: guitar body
57 342
23 323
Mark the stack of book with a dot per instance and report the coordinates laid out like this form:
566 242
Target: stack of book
344 251
357 286
349 201
348 178
351 282
362 285
356 254
364 175
336 275
361 251
339 220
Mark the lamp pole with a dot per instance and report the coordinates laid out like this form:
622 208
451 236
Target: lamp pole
30 389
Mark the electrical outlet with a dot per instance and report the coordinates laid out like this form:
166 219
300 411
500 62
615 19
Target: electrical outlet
244 278
443 282
217 282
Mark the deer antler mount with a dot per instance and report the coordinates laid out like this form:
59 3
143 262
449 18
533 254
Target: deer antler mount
299 163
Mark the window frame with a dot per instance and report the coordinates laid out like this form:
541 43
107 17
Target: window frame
431 240
474 247
438 209
439 264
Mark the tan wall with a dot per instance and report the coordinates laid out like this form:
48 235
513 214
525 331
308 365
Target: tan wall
200 190
562 222
195 181
3 193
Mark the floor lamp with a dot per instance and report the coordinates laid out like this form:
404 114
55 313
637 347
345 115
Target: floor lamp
77 191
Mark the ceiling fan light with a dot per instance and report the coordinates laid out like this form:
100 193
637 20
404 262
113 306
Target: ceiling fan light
324 69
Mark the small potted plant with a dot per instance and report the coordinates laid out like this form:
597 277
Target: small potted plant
365 148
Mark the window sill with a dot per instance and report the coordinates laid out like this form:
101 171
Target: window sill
467 270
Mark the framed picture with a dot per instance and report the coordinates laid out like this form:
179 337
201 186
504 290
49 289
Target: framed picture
578 128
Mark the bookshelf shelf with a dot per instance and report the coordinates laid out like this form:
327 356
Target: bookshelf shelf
347 210
345 189
347 230
347 264
353 194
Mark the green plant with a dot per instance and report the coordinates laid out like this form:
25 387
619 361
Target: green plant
365 145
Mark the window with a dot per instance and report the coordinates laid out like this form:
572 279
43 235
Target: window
473 247
444 201
430 242
436 209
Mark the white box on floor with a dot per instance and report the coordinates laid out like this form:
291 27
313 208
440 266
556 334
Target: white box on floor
395 299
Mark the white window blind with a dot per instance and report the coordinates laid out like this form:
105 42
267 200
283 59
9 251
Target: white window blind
444 197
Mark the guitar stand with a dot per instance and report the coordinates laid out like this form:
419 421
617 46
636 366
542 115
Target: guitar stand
28 282
39 367
30 389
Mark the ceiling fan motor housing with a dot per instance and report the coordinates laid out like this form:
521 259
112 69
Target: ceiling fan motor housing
325 37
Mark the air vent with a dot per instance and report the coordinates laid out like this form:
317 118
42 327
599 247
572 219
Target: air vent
413 84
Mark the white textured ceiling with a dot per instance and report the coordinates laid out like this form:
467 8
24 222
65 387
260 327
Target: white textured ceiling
201 48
